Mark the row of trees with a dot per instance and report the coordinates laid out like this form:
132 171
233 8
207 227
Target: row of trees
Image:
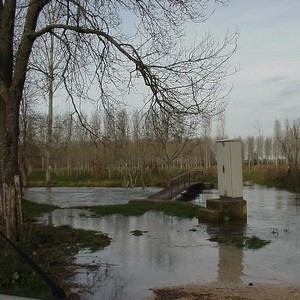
135 141
113 139
282 147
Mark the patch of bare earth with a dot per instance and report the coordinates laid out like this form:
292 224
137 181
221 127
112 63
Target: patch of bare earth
217 291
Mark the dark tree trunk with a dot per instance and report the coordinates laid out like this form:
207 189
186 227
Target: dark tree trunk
13 68
10 209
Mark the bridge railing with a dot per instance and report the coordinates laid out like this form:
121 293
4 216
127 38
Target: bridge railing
183 181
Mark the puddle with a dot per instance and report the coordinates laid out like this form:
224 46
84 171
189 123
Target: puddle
177 251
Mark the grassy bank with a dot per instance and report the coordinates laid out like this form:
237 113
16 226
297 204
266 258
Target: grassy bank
116 178
137 208
273 176
113 179
267 175
52 248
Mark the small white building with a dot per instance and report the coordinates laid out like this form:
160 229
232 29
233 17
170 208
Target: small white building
229 161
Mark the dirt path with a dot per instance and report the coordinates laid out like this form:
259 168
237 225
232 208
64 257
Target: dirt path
216 291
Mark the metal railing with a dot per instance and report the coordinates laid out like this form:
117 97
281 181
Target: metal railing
183 181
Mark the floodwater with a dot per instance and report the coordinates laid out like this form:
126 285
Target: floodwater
178 251
87 196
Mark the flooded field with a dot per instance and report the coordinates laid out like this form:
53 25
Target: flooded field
178 251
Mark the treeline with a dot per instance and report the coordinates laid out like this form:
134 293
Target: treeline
111 140
132 143
281 148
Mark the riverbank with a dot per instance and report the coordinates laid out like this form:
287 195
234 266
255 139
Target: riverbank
273 176
229 291
53 249
278 176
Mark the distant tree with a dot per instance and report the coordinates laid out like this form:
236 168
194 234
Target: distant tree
277 137
250 149
27 142
206 142
268 146
290 143
221 124
138 135
48 62
168 137
259 142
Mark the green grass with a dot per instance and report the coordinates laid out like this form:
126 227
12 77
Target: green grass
52 248
114 178
255 242
273 176
137 208
239 241
31 210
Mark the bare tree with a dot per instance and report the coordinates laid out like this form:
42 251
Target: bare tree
181 80
168 137
277 137
221 132
268 149
259 141
206 143
290 144
250 149
47 60
28 120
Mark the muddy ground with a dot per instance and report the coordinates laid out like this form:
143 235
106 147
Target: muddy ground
217 291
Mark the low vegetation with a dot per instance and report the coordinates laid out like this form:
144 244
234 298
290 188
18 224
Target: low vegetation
255 242
138 232
273 176
238 241
114 178
137 208
267 175
51 248
31 210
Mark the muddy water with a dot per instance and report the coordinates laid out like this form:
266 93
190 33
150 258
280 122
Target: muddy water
177 251
87 196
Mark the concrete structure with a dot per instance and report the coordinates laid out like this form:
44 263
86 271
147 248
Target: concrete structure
231 205
230 178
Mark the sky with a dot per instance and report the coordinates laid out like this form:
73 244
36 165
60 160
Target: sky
267 86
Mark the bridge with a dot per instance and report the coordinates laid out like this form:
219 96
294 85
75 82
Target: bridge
184 184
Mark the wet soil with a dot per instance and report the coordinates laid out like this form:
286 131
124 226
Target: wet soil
217 291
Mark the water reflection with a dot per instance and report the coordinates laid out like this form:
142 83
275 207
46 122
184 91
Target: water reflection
230 262
178 251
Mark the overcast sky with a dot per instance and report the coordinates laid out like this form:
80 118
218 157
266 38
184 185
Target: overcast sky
268 83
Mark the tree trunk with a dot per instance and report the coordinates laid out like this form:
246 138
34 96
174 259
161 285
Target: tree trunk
50 111
10 208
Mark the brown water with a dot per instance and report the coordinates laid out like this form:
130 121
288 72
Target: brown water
178 251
